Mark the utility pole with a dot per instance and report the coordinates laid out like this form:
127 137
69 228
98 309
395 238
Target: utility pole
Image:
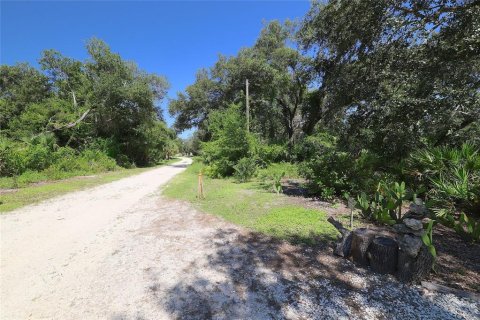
248 107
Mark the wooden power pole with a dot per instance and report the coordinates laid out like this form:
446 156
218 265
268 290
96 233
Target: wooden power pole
248 106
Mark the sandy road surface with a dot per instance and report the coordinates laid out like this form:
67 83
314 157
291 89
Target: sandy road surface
58 258
121 251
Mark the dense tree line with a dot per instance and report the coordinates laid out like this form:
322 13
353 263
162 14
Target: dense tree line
388 76
357 92
104 104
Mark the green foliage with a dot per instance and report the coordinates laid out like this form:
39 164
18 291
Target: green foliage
42 159
363 203
20 85
18 157
314 145
277 182
245 169
427 238
459 187
387 81
468 228
385 206
451 177
335 172
271 153
230 142
191 145
332 171
372 85
279 77
77 117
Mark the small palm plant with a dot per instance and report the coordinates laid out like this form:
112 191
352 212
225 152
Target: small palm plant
277 182
428 238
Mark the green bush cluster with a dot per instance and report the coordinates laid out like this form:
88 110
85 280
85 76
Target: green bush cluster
229 144
42 159
331 171
450 178
18 157
271 153
245 169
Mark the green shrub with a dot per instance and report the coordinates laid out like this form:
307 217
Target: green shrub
11 162
65 160
336 171
451 178
314 145
29 177
220 168
467 228
277 182
37 161
124 161
230 142
245 169
272 153
97 161
333 172
385 206
326 193
18 157
37 157
107 146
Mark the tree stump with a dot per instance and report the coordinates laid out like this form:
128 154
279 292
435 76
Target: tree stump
342 248
361 239
414 268
383 254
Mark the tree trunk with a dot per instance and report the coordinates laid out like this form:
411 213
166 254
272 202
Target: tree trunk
414 268
361 239
383 255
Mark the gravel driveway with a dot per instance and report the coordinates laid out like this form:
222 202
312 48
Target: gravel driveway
121 251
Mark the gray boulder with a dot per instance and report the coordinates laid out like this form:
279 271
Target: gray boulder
410 245
413 224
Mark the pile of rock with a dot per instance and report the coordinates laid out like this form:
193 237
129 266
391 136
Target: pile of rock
414 259
403 253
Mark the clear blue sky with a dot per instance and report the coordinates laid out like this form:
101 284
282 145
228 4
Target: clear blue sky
172 38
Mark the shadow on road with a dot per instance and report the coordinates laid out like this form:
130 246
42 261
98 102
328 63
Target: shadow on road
180 165
262 278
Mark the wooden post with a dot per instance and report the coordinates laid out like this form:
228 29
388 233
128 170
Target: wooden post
351 205
247 105
200 186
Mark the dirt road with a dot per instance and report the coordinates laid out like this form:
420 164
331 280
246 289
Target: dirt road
121 251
